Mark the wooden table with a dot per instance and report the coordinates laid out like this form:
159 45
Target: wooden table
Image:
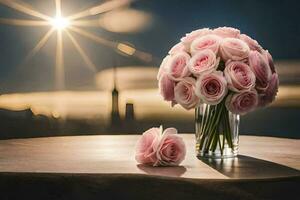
81 158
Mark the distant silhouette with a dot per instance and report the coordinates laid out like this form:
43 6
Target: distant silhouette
115 114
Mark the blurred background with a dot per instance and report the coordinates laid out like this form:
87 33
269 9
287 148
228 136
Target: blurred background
74 67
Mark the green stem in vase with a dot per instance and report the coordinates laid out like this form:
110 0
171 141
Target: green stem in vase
210 132
204 119
229 137
214 128
208 123
218 127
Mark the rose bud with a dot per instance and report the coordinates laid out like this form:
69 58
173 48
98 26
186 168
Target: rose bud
147 146
239 76
210 41
225 32
242 103
179 47
234 49
259 65
269 95
190 37
253 44
185 93
176 66
162 69
211 88
166 87
204 61
171 150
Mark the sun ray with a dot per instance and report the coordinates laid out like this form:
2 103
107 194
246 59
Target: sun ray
22 22
39 45
104 7
84 56
124 48
59 64
93 37
22 7
58 8
86 23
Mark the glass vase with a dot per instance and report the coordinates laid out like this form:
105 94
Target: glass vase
217 131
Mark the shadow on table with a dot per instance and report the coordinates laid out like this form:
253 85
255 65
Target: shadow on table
163 171
244 167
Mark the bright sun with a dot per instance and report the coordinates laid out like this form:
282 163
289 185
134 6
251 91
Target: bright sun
60 23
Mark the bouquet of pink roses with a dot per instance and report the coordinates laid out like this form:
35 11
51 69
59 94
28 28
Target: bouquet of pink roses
222 68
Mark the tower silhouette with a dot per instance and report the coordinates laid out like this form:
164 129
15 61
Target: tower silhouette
115 114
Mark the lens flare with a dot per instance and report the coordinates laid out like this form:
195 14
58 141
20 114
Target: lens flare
60 23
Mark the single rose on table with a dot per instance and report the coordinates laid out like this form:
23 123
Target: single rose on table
160 148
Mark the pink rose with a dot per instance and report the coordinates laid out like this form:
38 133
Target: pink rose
204 61
162 69
211 88
190 37
176 65
239 76
147 146
259 65
242 103
210 41
160 148
253 44
185 93
269 58
226 32
171 150
179 47
234 49
166 87
269 95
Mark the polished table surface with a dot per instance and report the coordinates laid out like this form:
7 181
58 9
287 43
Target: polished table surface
260 158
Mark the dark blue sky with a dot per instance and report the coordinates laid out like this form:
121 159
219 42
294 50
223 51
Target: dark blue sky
275 24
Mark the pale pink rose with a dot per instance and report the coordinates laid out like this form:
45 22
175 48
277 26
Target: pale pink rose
270 60
253 44
179 47
160 148
269 95
166 87
162 69
185 93
259 65
242 103
204 61
239 76
190 37
171 150
209 41
226 32
147 145
211 88
176 65
234 49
